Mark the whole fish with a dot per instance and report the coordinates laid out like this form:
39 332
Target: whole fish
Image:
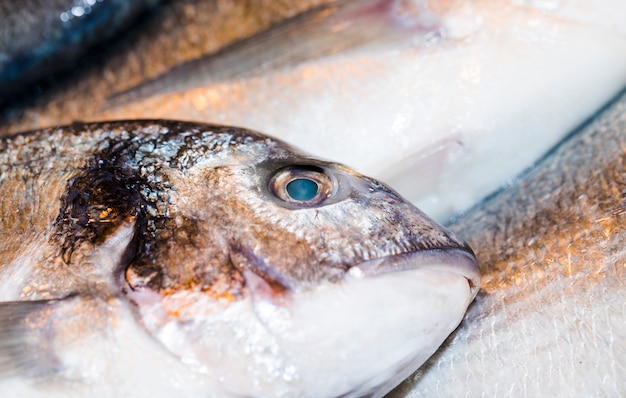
161 258
38 38
550 319
446 105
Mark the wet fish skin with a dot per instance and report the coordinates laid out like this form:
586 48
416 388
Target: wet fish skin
550 315
38 38
186 229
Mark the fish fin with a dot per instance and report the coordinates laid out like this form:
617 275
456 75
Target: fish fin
332 28
21 337
420 172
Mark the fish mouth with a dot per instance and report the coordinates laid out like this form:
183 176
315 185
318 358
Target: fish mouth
453 259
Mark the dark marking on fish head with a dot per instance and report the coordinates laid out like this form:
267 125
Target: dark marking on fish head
94 206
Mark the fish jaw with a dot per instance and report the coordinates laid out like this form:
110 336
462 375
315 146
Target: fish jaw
268 346
457 260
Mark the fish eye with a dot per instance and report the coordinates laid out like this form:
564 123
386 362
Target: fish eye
302 186
302 189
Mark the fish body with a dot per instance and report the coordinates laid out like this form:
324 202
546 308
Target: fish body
550 317
216 261
423 111
38 38
336 27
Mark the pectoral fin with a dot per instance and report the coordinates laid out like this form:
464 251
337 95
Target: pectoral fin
23 338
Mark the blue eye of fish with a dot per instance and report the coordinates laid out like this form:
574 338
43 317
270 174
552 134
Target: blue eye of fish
302 189
302 186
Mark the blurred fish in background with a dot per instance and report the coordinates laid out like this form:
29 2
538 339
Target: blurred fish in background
333 28
450 101
39 38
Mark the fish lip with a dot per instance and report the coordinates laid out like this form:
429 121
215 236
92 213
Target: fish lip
460 260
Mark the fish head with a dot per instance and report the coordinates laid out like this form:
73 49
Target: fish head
279 274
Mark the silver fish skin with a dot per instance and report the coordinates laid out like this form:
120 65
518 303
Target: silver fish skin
38 37
162 258
550 318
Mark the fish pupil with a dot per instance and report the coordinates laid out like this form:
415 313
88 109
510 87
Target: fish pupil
302 189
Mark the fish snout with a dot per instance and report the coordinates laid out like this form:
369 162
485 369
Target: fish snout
422 242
